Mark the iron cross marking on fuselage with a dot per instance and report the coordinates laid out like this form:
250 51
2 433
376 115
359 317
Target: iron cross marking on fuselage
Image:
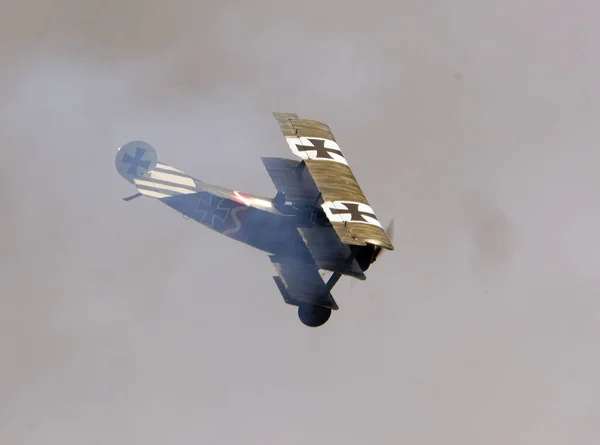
136 162
319 145
355 213
211 210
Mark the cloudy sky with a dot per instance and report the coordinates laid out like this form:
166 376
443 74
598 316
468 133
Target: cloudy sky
474 124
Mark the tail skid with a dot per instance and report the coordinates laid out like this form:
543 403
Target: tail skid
129 198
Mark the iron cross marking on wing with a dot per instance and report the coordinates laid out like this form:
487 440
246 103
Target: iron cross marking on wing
356 215
319 146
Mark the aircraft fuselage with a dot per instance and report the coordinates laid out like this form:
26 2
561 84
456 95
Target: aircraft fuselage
268 231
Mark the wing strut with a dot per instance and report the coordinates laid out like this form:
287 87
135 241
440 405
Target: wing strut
333 280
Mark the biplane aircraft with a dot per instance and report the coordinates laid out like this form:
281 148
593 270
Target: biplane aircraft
318 222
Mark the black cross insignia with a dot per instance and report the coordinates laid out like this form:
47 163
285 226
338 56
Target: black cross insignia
136 161
355 214
319 145
211 210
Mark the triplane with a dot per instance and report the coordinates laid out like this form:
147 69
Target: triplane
319 221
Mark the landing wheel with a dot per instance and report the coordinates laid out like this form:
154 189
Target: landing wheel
313 316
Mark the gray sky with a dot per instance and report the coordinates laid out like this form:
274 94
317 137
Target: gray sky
474 124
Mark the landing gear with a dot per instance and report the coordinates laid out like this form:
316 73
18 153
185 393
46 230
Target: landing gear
313 316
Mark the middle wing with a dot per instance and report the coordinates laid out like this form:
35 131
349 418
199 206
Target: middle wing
344 202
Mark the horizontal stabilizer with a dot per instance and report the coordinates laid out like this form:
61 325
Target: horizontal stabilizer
137 162
166 181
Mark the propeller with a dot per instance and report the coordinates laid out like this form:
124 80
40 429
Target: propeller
389 231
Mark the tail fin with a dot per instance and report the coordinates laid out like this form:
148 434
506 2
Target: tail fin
137 162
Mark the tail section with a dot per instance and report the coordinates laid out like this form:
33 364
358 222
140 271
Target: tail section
137 162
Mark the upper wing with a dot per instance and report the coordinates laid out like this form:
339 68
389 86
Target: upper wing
344 202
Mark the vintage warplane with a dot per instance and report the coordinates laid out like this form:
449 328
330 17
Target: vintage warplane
319 220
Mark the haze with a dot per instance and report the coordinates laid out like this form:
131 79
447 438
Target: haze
474 124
